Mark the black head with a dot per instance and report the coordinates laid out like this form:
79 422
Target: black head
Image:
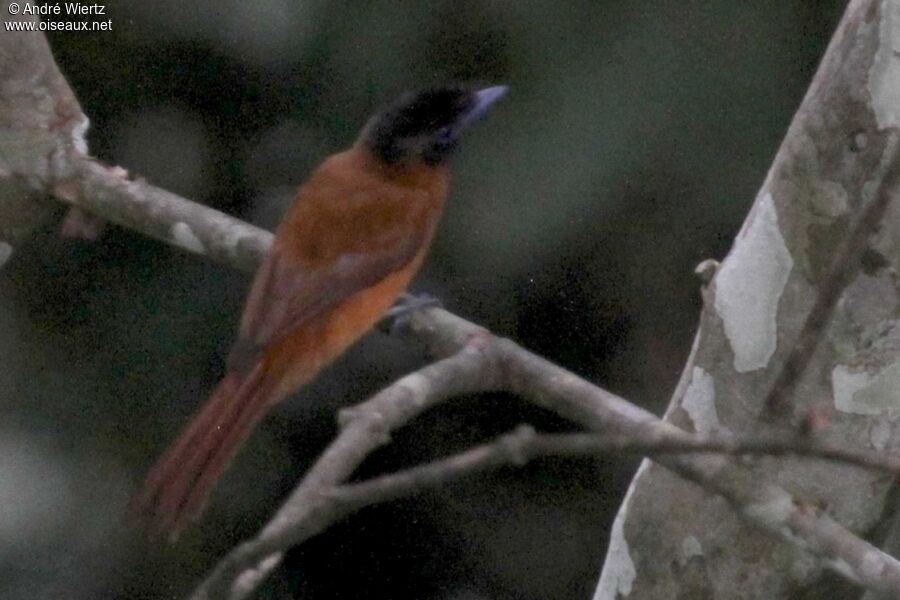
426 126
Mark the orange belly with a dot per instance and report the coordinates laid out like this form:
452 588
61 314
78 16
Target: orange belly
303 353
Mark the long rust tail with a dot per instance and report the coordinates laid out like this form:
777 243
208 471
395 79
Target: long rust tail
178 486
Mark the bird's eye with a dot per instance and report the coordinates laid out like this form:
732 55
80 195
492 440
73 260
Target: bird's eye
446 138
441 145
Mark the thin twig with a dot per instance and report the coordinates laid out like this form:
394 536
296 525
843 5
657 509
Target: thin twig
524 445
309 509
845 263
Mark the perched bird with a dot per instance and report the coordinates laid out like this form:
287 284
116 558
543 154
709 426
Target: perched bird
346 249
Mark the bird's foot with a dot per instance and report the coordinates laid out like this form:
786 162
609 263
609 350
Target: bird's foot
398 316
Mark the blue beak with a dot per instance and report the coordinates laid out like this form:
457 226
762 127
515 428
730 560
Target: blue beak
484 100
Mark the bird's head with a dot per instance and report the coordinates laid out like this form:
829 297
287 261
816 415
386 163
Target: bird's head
426 126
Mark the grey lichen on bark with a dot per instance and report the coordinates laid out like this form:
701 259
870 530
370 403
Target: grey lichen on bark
672 539
42 128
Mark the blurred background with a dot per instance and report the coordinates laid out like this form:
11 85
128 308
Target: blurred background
630 146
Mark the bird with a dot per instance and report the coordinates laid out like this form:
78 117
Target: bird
356 234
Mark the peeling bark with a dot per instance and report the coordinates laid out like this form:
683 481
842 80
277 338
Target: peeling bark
671 539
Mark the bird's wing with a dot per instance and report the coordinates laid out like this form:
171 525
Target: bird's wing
339 251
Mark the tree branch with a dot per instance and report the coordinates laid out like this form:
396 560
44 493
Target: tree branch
320 500
41 128
45 152
791 323
163 215
845 263
365 427
524 445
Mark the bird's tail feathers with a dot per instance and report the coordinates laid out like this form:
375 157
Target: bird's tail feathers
179 485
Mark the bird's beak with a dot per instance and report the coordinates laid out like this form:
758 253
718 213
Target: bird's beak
484 100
